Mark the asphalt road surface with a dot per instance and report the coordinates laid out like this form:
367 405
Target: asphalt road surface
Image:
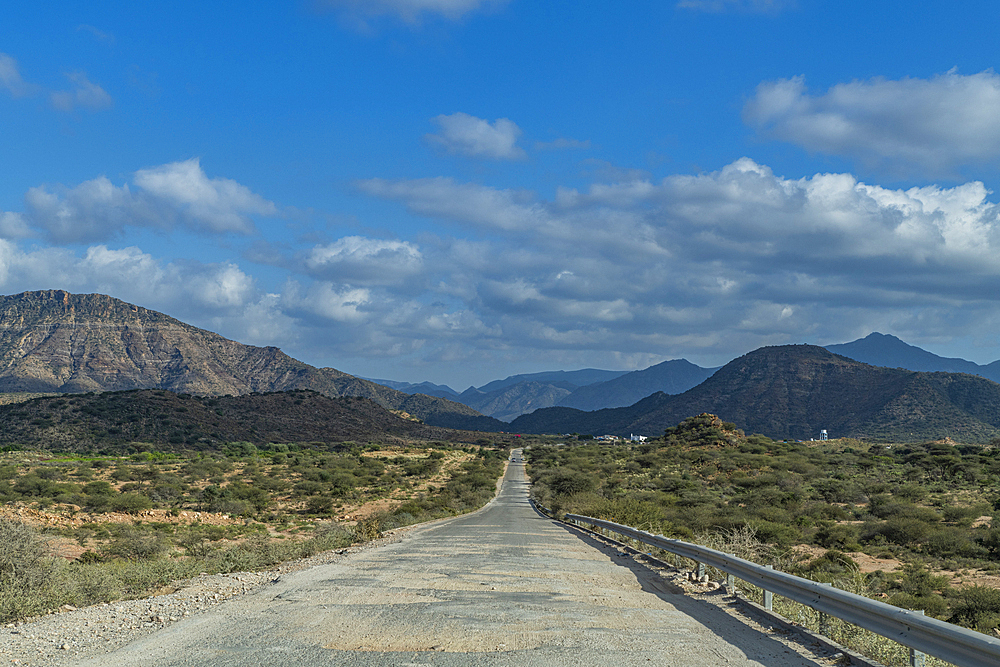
502 586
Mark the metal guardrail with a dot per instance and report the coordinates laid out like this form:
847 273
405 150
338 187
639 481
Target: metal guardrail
951 643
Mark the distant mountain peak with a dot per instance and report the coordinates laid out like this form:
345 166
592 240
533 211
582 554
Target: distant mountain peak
886 350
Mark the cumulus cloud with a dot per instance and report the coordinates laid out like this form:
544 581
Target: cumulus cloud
161 197
13 226
461 202
620 274
83 94
364 261
216 204
190 289
719 6
934 124
328 301
463 134
725 260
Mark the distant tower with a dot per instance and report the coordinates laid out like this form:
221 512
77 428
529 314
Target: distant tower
822 434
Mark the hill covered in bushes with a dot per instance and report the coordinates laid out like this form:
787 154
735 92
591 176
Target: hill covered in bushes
123 421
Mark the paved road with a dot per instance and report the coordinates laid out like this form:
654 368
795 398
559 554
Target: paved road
502 586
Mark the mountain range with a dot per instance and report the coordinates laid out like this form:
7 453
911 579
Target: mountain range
54 341
586 389
593 389
795 391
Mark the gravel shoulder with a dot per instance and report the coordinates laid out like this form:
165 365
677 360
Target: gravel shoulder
70 635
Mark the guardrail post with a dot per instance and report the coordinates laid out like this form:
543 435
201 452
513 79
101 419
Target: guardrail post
768 595
731 581
824 620
917 659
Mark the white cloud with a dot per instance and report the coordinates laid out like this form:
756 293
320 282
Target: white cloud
740 257
328 301
191 290
411 11
163 197
629 272
935 124
463 134
719 6
83 94
225 287
10 78
13 226
462 202
363 261
215 204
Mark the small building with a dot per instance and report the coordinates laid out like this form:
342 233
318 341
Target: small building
637 438
822 434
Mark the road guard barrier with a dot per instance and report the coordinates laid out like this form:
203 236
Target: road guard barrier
922 634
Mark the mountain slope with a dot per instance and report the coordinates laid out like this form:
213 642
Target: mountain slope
794 391
510 402
671 377
56 341
564 379
112 421
426 388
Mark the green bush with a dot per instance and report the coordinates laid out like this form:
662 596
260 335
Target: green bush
130 503
27 577
932 603
838 536
134 543
978 608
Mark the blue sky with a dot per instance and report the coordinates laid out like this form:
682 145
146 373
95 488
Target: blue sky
461 190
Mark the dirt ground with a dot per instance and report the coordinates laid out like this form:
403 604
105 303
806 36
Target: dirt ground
865 562
869 564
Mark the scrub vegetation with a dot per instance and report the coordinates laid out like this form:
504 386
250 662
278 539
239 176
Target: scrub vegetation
79 529
816 509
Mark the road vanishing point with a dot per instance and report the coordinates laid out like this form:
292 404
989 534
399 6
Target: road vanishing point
501 586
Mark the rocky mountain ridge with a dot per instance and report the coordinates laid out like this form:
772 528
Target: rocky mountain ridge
54 341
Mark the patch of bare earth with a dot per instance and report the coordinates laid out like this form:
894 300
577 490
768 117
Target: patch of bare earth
865 562
73 519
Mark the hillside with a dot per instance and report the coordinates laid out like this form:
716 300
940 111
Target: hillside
514 400
564 379
794 391
112 421
54 341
